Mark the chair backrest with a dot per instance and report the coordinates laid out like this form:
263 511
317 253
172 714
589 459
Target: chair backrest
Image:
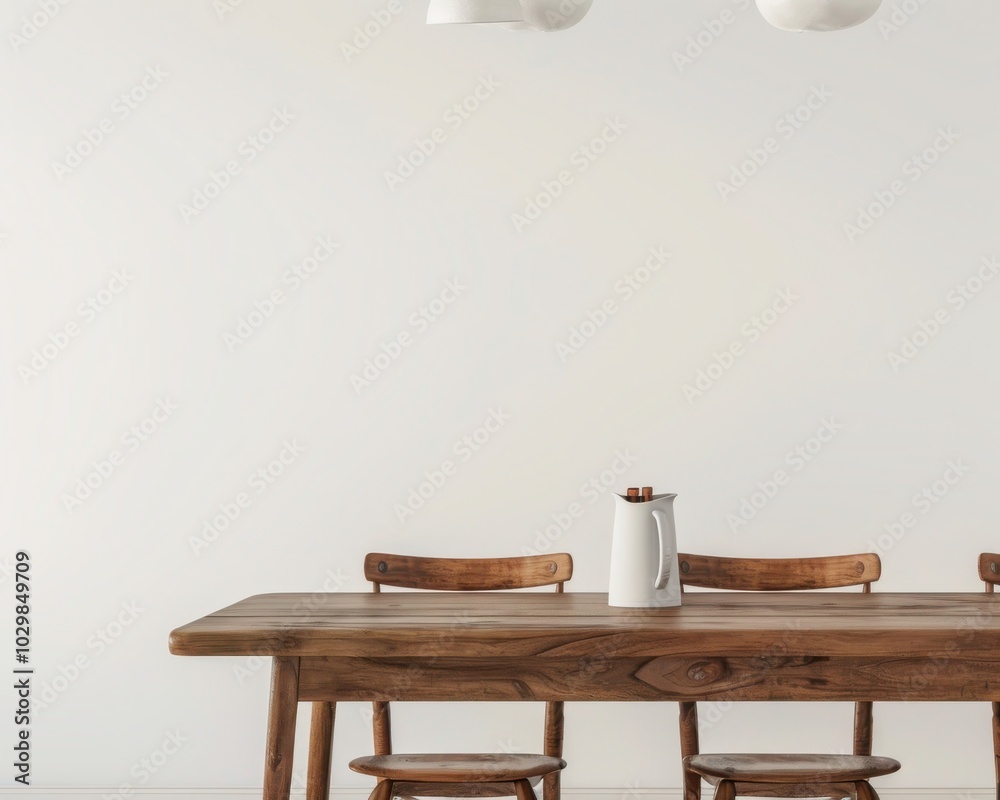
779 574
989 570
468 574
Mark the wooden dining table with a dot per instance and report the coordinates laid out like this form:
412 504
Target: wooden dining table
574 647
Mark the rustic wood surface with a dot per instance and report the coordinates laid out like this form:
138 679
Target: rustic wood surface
548 646
661 678
780 768
458 767
778 574
582 625
467 574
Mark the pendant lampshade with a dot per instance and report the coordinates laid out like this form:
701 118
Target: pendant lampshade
444 12
512 15
550 15
817 15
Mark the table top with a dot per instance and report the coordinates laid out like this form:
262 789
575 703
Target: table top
573 625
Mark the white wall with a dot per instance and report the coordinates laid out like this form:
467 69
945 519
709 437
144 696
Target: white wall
162 337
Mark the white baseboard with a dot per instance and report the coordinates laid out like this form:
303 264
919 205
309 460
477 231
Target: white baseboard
353 793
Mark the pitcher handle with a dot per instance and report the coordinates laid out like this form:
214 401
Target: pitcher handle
663 572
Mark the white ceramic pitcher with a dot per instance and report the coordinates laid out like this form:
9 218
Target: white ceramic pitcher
644 572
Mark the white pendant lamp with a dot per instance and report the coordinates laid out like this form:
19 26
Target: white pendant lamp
449 12
551 15
817 15
512 15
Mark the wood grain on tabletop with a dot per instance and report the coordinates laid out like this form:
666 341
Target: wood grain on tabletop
415 624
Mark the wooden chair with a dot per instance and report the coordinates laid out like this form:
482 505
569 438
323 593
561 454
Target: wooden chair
459 775
989 573
778 775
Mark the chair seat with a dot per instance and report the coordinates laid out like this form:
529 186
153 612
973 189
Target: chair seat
457 767
783 768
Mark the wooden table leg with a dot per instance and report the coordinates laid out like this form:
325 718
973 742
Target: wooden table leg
281 728
320 748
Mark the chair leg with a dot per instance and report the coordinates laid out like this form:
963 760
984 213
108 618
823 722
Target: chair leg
689 747
320 746
522 789
381 728
382 790
726 790
551 784
692 786
866 791
996 745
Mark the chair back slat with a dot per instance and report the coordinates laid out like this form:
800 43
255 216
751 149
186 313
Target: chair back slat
989 570
468 574
779 574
